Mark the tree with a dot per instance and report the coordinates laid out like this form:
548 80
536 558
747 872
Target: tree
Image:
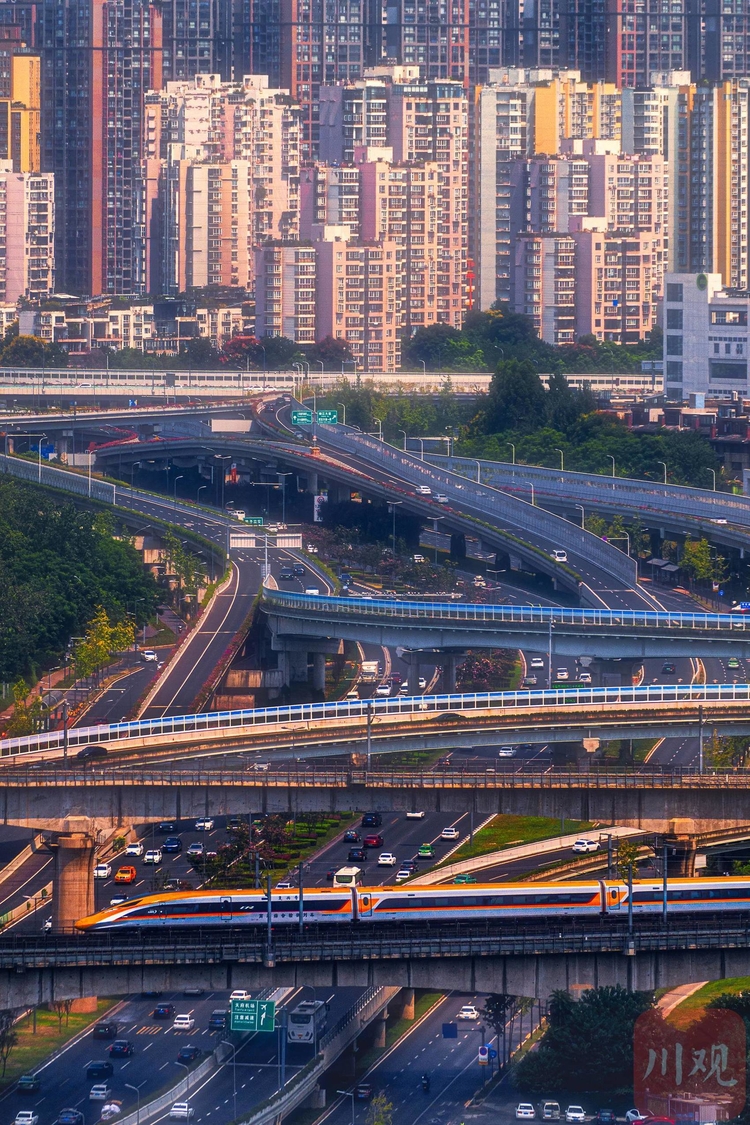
332 353
32 351
199 352
8 1035
27 717
516 397
627 854
380 1111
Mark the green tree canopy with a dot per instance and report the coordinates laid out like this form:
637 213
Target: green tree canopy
516 399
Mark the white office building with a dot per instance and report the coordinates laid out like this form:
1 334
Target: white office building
705 336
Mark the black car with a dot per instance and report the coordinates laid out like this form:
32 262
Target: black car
345 579
605 1117
357 855
87 755
27 1084
299 570
189 1054
163 1012
668 668
172 844
233 823
352 836
99 1068
166 826
218 1020
193 990
70 1117
409 865
121 1049
105 1030
286 573
372 820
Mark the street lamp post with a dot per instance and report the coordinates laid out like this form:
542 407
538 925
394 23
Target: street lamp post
200 489
435 522
562 458
393 504
406 439
137 1091
348 1094
174 501
664 466
583 515
424 368
479 471
343 407
531 486
713 474
133 467
91 454
421 447
186 1068
513 451
283 495
614 538
613 463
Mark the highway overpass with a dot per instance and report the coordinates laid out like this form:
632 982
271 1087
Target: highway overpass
520 959
425 625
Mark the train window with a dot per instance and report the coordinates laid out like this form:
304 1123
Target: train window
183 908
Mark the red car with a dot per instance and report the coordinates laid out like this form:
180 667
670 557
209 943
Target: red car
373 841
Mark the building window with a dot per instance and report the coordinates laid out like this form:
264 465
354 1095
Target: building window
674 292
674 371
674 318
674 345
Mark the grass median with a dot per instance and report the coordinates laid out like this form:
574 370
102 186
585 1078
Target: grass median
505 831
51 1034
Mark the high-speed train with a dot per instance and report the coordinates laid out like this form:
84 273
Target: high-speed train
414 903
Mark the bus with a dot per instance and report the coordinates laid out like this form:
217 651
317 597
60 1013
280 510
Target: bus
347 877
307 1022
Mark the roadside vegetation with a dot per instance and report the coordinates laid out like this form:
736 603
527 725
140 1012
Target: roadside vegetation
505 831
37 1035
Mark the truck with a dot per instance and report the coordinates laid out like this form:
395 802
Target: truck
307 1021
370 673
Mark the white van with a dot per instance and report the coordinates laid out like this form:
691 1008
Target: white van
348 877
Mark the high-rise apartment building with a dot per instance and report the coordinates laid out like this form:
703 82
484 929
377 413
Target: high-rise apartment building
221 178
285 292
99 57
27 229
20 114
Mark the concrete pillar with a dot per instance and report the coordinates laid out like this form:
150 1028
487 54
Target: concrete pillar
319 671
681 848
73 878
317 1099
380 1027
408 998
294 667
450 664
312 483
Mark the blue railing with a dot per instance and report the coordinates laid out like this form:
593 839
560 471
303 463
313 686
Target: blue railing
543 616
312 713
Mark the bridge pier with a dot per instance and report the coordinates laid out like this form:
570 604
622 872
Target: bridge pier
73 880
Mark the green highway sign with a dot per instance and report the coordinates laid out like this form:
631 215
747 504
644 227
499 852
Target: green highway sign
301 417
253 1015
328 417
256 521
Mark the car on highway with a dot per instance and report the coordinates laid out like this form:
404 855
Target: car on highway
189 1053
506 752
423 490
468 1012
111 1110
574 1113
363 1092
181 1111
299 570
387 859
584 677
134 849
464 877
153 855
372 840
218 1019
634 1115
372 820
549 1111
101 1092
126 874
27 1084
149 656
562 674
239 994
403 873
450 833
416 814
121 1049
441 498
183 1022
163 1012
530 681
351 836
356 855
166 827
196 850
733 662
605 1117
90 752
418 558
312 590
383 689
559 555
118 900
70 1116
193 990
583 845
311 549
26 1117
426 851
102 870
204 824
172 844
99 1068
107 1029
525 1110
536 662
668 668
286 574
480 582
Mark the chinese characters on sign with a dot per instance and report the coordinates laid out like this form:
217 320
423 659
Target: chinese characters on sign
676 1069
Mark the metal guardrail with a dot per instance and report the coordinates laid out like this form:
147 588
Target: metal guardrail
541 616
58 478
361 1003
595 488
361 709
558 531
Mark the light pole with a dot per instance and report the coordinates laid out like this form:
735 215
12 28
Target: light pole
583 515
91 454
513 451
133 467
393 504
664 466
174 502
424 368
613 463
200 489
435 522
283 495
348 1094
479 470
421 447
380 429
713 474
186 1068
343 407
614 538
531 486
562 458
405 438
137 1090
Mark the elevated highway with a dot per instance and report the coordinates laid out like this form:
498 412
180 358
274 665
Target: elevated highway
521 959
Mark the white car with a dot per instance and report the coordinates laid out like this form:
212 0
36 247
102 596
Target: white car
311 549
562 674
110 1111
468 1012
152 856
506 752
102 870
205 824
383 689
403 874
182 1110
387 859
418 558
525 1109
417 814
441 498
183 1022
575 1113
423 490
26 1117
537 662
313 590
149 656
100 1093
449 834
479 582
240 994
134 849
635 1115
560 556
584 677
586 846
